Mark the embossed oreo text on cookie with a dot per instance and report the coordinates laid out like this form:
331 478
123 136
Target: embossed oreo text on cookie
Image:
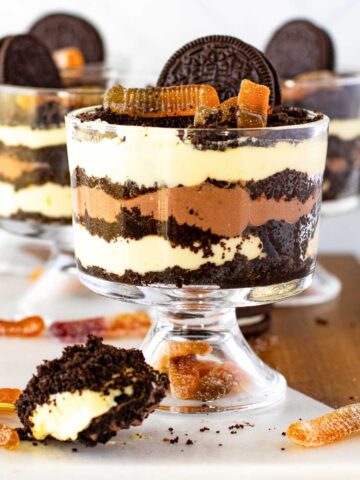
223 62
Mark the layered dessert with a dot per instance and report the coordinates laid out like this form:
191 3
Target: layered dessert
90 393
304 55
34 174
34 180
339 97
170 187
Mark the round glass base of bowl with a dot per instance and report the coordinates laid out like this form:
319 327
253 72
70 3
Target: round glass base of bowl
340 205
56 294
58 234
324 288
197 341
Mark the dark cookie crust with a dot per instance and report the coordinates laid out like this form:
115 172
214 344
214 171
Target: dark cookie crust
100 368
60 30
221 61
54 165
25 61
300 46
346 181
39 218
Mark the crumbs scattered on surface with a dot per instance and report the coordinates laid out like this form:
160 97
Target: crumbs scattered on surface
74 450
204 429
189 442
321 321
140 436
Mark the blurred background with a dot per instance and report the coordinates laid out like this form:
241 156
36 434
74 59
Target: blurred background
140 35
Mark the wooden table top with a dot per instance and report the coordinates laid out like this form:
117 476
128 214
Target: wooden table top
317 348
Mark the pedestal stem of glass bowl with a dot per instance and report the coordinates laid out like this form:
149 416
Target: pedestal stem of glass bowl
261 386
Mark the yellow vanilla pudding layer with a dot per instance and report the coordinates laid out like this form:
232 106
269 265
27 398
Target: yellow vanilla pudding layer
151 156
157 158
345 129
48 199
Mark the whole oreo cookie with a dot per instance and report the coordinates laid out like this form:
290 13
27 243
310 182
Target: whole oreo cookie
222 62
300 46
61 30
25 61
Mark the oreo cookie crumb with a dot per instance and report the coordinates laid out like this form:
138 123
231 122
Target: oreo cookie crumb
287 116
100 368
204 429
172 441
321 321
189 442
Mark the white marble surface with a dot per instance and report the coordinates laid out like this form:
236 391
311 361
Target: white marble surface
252 453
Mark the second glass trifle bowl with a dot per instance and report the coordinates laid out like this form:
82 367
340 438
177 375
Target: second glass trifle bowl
35 195
196 222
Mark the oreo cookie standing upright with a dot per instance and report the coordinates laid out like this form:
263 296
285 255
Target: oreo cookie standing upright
60 30
300 46
223 62
25 61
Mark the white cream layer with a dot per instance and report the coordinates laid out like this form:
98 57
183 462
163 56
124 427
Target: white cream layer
151 156
67 414
33 138
155 254
347 129
50 199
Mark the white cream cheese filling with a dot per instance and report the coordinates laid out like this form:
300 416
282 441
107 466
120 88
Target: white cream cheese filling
26 136
67 414
345 129
157 156
50 199
154 254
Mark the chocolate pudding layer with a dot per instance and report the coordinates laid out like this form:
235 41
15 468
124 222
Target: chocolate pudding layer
176 206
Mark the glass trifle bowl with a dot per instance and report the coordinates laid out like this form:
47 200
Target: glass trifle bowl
196 222
338 96
35 194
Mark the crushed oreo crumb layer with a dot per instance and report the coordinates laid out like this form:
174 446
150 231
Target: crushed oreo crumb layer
99 368
106 115
39 218
281 116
